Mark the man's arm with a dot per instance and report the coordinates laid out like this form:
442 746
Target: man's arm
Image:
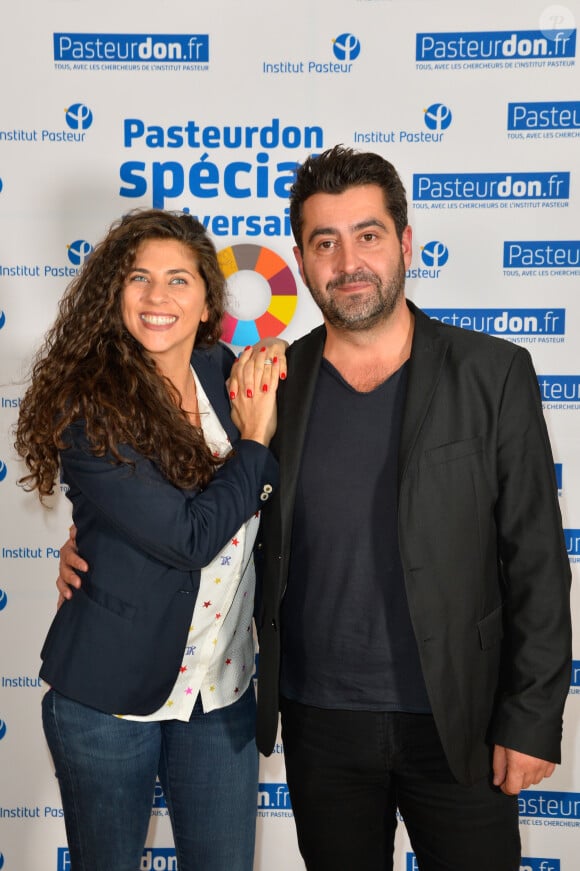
70 562
535 670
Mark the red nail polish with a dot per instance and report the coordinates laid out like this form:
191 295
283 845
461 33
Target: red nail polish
247 348
232 394
264 388
262 349
274 359
282 376
249 393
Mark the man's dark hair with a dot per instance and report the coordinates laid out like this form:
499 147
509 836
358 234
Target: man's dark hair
339 168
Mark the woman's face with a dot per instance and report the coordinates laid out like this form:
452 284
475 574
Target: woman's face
164 301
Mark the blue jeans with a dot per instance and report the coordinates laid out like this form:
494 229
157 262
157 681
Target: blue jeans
107 767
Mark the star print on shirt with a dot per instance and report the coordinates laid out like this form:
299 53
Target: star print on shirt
228 662
206 604
188 691
183 668
235 541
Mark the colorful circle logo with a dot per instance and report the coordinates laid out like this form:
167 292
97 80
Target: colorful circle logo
282 285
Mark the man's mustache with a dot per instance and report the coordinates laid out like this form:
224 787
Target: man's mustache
353 278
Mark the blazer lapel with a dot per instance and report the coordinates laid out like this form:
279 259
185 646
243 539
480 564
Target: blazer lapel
427 356
296 398
210 370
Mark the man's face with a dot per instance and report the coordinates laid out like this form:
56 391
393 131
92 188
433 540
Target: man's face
352 262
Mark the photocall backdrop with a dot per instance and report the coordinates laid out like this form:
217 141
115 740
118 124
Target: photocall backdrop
208 107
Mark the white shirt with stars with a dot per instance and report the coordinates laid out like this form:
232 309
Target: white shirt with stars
218 661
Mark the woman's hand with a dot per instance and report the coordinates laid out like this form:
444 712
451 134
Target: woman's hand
252 386
272 350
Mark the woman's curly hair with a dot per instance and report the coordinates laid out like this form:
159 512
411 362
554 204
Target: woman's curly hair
91 368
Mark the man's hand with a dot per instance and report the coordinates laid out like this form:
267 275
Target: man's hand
514 771
69 561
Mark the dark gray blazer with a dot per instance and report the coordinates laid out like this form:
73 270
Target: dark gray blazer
117 645
485 565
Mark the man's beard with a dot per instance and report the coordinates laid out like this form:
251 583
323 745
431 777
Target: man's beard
359 311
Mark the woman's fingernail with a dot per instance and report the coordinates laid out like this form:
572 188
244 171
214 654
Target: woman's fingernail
264 388
262 349
282 376
249 393
274 359
232 394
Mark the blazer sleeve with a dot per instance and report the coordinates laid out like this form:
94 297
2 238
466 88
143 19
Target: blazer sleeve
534 563
184 530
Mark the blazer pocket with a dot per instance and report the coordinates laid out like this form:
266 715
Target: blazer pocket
454 451
109 602
491 629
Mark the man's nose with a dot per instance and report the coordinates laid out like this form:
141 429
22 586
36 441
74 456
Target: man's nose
349 259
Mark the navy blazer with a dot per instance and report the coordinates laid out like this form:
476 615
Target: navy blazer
486 570
117 645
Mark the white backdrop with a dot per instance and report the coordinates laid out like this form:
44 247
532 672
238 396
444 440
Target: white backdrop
110 106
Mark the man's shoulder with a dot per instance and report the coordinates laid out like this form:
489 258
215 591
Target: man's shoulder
310 343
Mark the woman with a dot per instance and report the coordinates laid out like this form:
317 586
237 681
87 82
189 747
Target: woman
150 662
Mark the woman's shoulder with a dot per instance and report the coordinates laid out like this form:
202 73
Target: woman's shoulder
218 355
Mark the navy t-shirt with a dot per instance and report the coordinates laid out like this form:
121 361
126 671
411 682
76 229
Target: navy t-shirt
346 630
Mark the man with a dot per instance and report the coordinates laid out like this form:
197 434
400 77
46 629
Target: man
415 579
414 617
